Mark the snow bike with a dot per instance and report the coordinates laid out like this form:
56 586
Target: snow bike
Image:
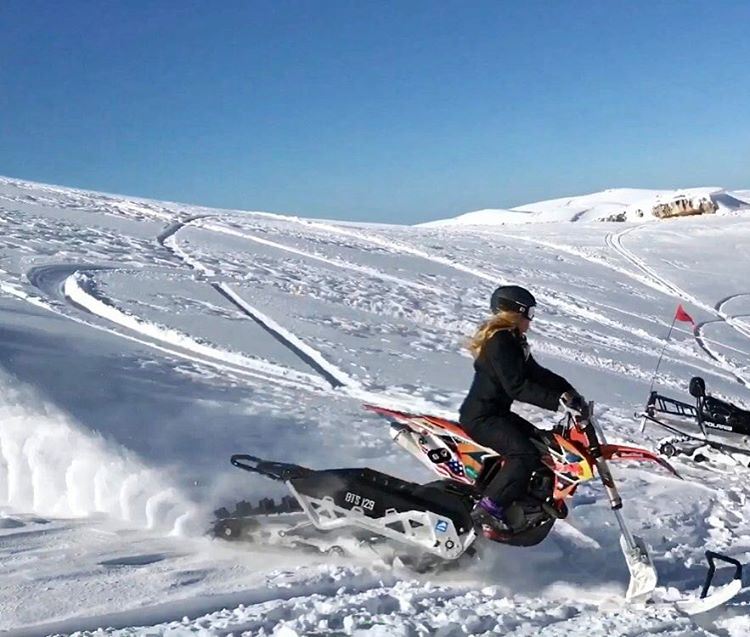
436 517
711 430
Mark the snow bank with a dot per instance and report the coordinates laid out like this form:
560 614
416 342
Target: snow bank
51 467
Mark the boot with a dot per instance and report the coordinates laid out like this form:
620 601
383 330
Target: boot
489 513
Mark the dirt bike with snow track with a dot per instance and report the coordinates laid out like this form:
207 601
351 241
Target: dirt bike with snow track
436 518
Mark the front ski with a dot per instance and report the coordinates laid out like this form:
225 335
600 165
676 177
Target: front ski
643 575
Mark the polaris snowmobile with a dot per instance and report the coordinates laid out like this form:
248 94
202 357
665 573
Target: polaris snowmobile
436 518
711 430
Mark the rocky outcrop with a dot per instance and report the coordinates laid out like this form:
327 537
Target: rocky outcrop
683 206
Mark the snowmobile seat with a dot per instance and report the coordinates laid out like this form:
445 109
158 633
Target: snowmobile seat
274 470
697 387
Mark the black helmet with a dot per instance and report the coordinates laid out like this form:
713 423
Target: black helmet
513 298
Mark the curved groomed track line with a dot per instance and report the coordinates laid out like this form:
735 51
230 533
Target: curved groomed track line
715 356
614 240
333 376
235 372
640 278
81 293
345 265
51 281
646 279
720 305
397 247
649 277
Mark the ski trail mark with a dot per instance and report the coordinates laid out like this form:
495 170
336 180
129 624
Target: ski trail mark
72 284
716 356
614 241
354 267
44 304
581 254
75 289
720 304
399 247
334 376
493 278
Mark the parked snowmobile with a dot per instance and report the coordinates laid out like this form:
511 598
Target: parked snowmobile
436 517
710 430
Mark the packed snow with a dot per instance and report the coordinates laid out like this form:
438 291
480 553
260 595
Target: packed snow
144 342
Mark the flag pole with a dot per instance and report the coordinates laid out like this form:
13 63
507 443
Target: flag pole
661 355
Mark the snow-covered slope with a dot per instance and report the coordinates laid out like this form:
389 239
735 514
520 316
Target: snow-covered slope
634 203
143 342
487 217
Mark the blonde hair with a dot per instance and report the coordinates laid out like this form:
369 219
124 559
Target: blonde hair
503 320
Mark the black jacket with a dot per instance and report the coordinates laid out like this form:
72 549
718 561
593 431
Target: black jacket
506 371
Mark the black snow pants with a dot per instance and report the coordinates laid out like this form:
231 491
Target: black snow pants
509 435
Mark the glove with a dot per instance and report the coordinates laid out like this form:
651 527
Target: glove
574 401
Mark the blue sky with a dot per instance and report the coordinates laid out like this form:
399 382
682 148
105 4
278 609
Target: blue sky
383 111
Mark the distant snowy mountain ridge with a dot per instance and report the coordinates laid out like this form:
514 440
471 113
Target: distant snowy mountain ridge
631 204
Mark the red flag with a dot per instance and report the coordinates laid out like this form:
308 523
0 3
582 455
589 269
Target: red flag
682 315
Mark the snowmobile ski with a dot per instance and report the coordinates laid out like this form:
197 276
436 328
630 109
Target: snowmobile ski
719 597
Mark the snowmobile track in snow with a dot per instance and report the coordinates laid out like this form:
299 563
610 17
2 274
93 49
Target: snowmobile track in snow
495 279
50 279
336 263
701 340
650 281
264 322
334 377
185 345
61 282
614 240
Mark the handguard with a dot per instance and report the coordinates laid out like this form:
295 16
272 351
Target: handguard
620 453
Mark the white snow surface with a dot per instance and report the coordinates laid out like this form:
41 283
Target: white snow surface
635 204
144 342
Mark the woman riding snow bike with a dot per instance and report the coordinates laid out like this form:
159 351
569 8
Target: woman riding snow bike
505 371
